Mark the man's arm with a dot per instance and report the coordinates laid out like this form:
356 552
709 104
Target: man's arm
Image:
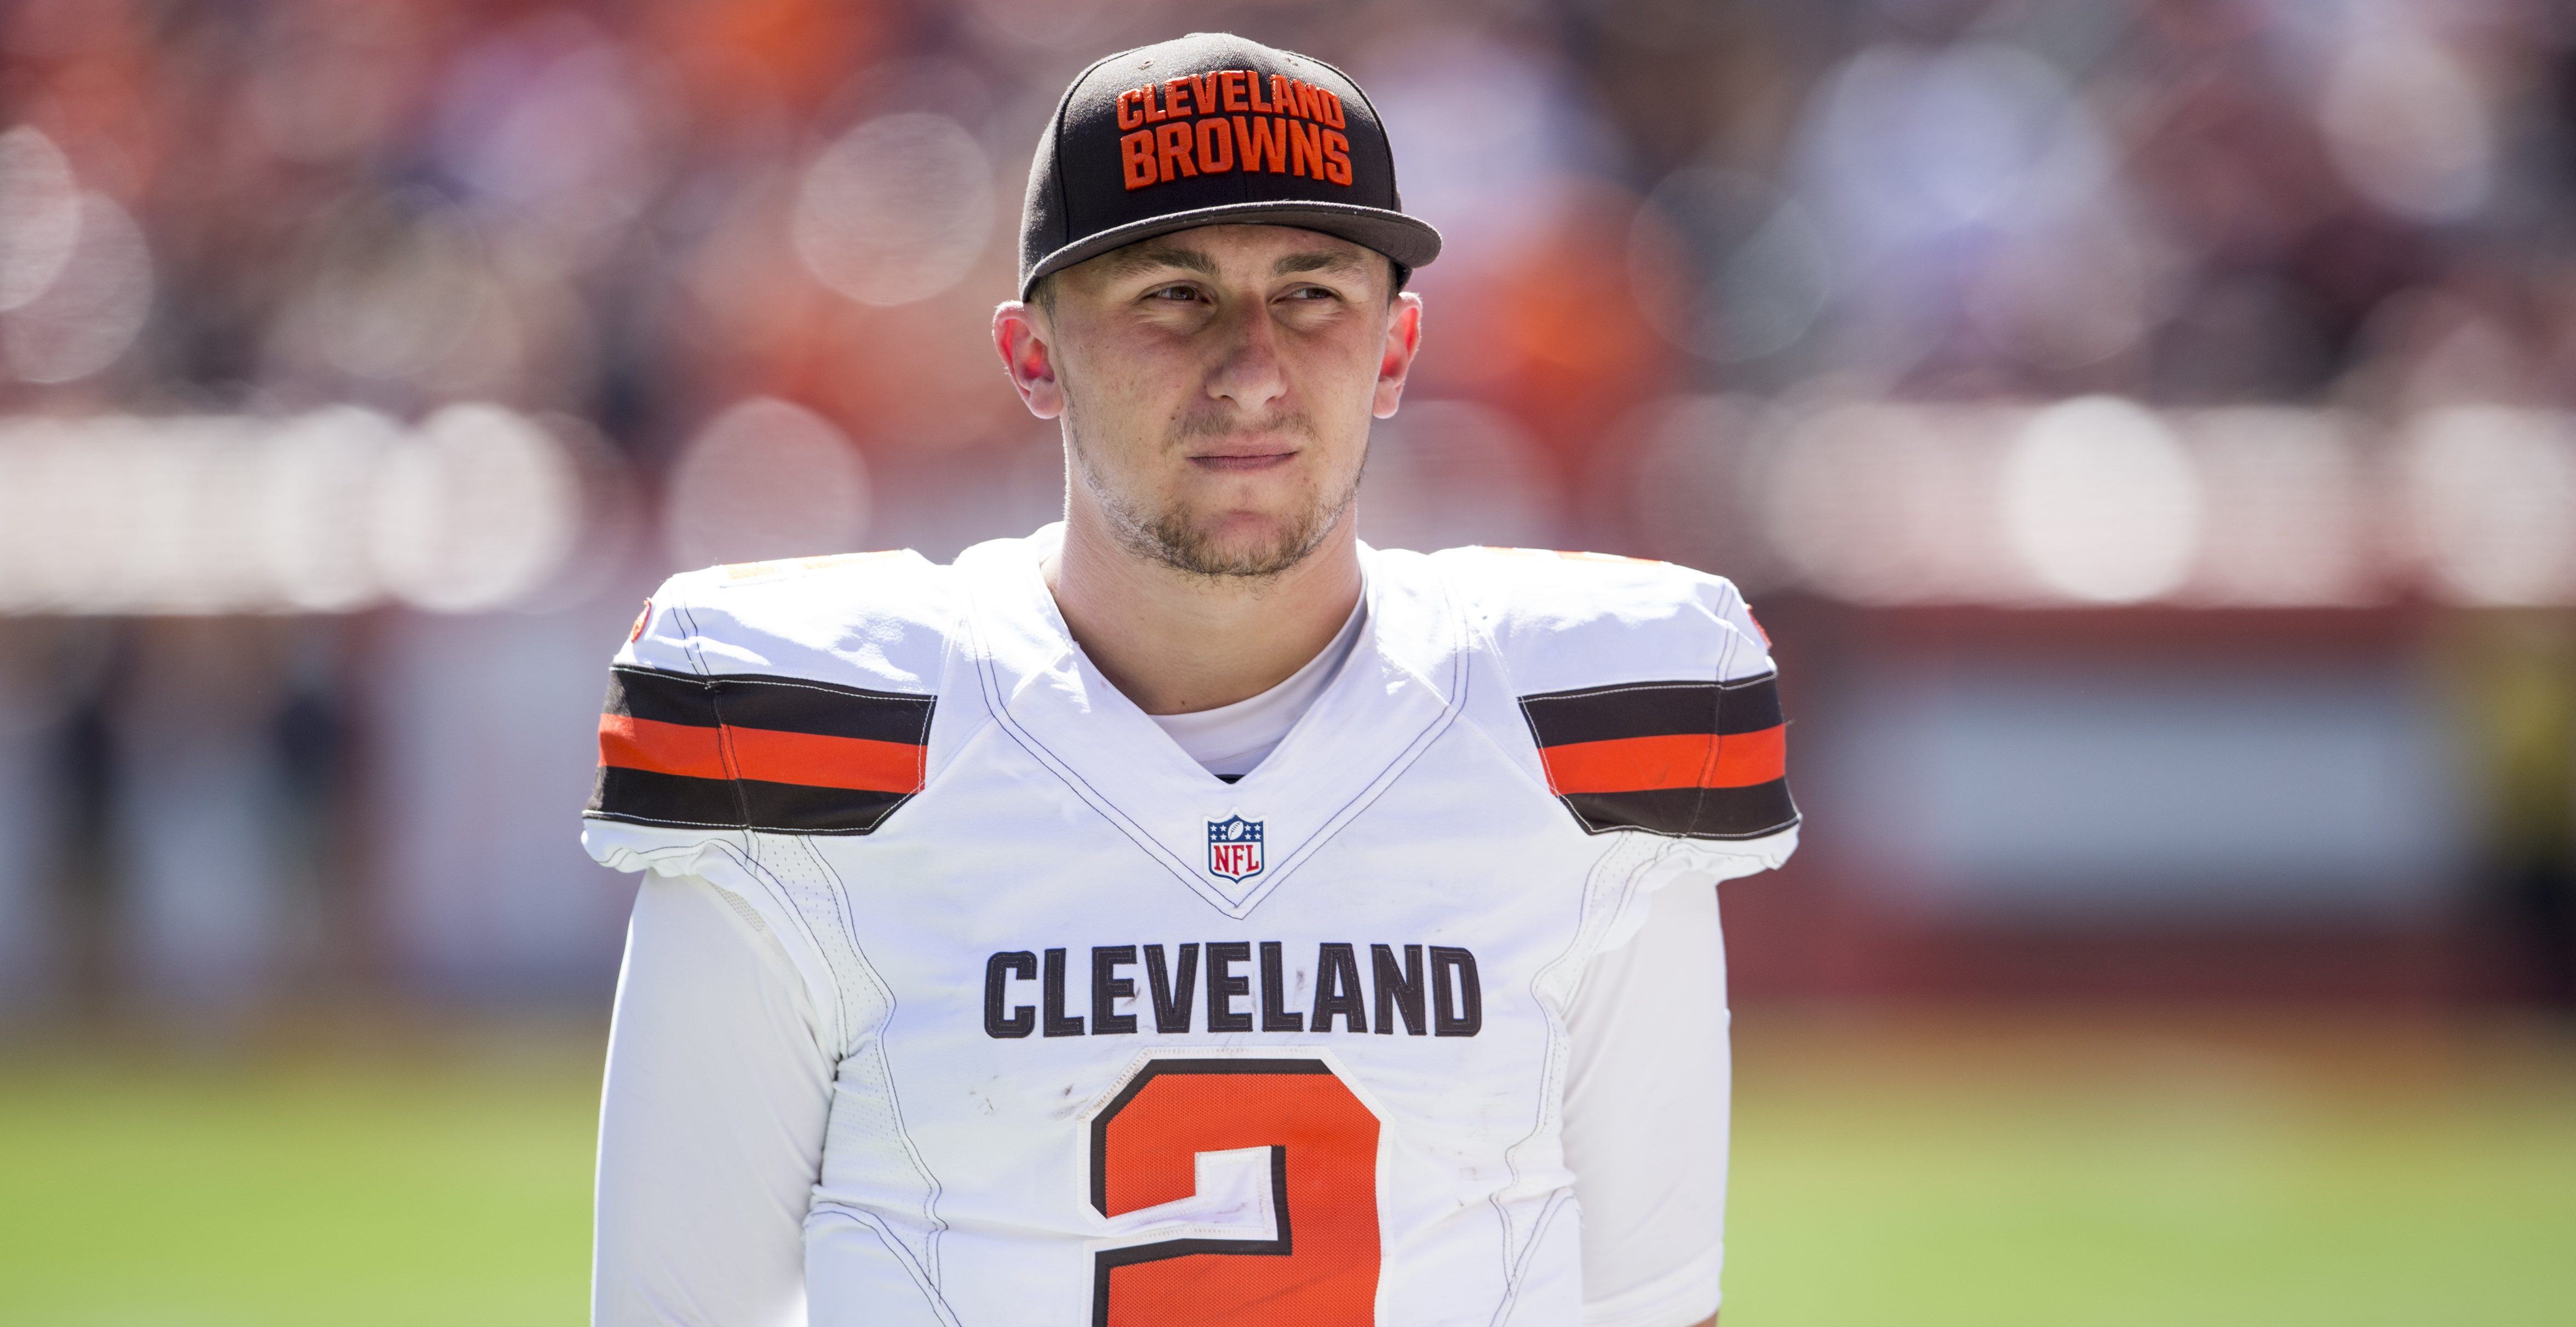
1646 1118
711 1121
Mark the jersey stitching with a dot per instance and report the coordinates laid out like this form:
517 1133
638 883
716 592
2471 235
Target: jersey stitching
1502 664
733 770
1332 825
1553 1208
1090 796
749 857
845 1029
1589 919
629 818
697 659
1453 704
1699 803
1507 750
874 1225
894 1094
1054 764
771 680
1721 683
1716 739
1394 769
751 866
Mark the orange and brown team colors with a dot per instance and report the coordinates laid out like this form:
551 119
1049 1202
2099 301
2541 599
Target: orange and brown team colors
1700 759
1231 119
752 752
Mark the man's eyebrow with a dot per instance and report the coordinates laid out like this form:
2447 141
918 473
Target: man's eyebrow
1318 260
1129 262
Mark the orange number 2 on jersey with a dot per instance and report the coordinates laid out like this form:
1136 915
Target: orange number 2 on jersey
1321 1268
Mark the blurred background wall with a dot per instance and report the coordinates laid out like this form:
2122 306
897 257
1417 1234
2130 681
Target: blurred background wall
2144 427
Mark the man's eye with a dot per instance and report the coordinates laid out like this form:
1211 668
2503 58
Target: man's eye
1313 293
1175 294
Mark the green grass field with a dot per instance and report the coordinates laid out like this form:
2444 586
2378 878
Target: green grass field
1975 1169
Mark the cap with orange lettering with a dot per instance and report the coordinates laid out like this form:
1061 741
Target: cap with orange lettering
1207 129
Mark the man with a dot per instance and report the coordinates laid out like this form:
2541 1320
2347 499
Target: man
1185 914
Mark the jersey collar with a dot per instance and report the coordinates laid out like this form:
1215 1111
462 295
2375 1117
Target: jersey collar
1404 683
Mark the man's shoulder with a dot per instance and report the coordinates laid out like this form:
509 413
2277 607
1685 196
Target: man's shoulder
1565 620
872 619
1647 690
792 696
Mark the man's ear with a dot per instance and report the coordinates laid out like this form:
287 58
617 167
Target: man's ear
1403 339
1020 336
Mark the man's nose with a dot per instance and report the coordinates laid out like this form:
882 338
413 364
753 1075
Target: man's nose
1249 372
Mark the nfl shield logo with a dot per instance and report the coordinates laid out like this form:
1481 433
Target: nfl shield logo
1234 847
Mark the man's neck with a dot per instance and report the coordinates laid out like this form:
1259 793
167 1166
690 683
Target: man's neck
1175 642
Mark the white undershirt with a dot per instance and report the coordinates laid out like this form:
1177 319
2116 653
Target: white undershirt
1231 739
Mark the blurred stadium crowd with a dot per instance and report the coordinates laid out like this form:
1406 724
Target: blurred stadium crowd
2145 426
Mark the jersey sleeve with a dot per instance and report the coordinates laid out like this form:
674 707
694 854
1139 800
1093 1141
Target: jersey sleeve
1646 1105
754 707
712 1118
791 704
661 793
1650 696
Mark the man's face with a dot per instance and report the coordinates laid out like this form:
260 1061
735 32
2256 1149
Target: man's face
1217 386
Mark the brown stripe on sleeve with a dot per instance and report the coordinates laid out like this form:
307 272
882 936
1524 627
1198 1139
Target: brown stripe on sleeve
1685 758
1654 709
787 755
1696 813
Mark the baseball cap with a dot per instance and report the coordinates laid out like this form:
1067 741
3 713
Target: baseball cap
1207 129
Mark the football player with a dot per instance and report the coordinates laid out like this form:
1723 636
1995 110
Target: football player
1185 914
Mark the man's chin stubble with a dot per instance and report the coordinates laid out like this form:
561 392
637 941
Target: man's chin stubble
1178 542
1175 538
1172 538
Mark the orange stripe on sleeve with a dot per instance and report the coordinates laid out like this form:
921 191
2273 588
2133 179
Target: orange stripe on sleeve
1682 760
1745 759
627 742
817 761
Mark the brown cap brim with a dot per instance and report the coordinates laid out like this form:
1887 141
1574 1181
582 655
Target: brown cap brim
1410 242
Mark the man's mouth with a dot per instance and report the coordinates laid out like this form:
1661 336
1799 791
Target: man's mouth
1242 454
1242 462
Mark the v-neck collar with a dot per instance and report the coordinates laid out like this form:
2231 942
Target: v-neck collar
1403 684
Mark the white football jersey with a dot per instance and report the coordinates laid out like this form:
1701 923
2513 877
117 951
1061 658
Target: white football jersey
1125 1043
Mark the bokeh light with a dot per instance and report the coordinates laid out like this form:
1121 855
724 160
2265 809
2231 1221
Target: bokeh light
1884 504
315 507
326 512
474 510
2407 123
92 309
765 479
2287 507
2494 503
40 215
2101 502
897 210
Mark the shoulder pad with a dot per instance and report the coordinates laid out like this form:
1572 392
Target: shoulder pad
874 619
1648 688
789 697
